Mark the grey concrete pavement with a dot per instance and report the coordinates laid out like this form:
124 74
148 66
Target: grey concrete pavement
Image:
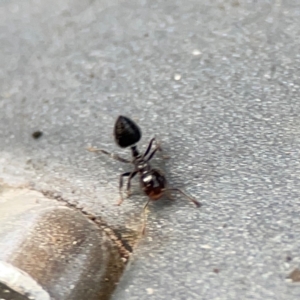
216 81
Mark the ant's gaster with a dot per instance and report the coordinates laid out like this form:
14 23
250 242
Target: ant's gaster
153 182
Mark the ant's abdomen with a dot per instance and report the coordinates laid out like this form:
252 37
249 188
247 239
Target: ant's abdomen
153 184
126 132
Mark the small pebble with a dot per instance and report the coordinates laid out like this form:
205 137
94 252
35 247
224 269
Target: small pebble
196 52
150 291
177 77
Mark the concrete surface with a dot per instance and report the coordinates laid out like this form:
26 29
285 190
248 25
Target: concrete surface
47 250
216 81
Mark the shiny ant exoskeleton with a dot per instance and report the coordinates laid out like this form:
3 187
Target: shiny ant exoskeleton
153 182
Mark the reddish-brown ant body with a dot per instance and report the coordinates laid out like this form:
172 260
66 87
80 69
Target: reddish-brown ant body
153 182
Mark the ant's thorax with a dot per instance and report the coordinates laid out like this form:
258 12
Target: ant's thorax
141 165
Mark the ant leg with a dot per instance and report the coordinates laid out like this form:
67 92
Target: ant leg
132 174
144 217
121 185
149 147
158 147
152 154
198 204
112 155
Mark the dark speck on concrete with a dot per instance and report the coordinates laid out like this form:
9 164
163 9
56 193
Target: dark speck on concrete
37 134
288 258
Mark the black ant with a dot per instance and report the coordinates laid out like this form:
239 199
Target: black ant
153 182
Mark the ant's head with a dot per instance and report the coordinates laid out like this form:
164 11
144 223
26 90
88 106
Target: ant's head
126 132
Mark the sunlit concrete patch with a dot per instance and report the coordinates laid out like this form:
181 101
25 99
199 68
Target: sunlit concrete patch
21 282
49 250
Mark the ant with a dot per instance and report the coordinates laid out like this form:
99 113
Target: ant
153 182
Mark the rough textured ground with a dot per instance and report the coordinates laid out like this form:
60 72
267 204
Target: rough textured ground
216 81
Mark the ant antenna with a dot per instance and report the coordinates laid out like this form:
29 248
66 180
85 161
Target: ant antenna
198 204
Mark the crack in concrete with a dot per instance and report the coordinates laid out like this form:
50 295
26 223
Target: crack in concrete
125 249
